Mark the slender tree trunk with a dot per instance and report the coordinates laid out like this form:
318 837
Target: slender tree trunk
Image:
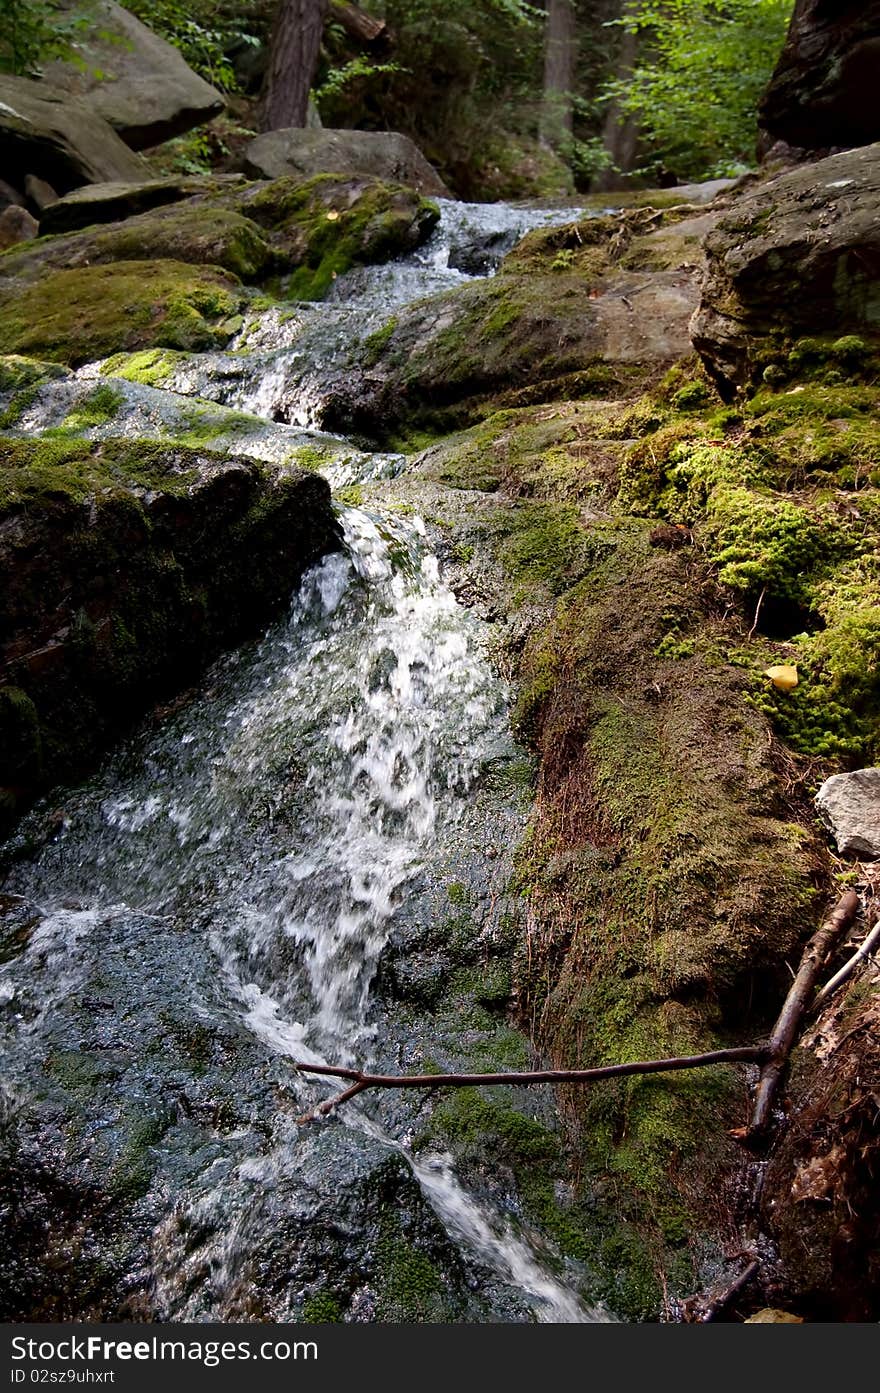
620 134
293 57
560 55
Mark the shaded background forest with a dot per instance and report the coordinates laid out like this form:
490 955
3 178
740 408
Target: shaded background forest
508 99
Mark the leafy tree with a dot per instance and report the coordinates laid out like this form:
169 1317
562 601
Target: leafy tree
695 87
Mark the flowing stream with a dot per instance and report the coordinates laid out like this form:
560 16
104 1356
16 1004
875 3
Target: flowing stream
224 896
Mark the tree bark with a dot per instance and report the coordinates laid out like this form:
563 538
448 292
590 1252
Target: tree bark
620 133
560 54
293 58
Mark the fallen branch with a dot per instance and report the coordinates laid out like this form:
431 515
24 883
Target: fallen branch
709 1306
746 1054
862 953
364 28
786 1027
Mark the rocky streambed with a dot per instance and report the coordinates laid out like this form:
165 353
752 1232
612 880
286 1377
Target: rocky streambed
504 780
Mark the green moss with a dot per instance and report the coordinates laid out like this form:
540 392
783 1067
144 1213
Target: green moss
95 409
329 224
77 316
322 1309
766 508
480 1121
153 367
74 470
203 425
314 458
135 1164
21 380
375 343
21 746
546 548
351 495
410 1284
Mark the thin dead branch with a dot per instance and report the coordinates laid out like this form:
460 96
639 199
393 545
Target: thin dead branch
786 1027
746 1054
862 953
711 1304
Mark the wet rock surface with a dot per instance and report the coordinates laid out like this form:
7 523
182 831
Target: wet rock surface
124 569
798 256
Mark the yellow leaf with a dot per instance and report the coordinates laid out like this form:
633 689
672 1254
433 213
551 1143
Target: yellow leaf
332 215
785 677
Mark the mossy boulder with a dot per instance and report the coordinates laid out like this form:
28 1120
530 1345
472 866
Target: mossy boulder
561 319
296 237
321 227
125 566
798 256
77 316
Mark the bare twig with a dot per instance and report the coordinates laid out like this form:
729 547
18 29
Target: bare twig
785 1029
862 953
745 1054
761 599
709 1306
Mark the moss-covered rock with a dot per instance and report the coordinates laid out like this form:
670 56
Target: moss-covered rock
310 232
561 319
125 566
668 873
799 255
322 227
109 203
77 316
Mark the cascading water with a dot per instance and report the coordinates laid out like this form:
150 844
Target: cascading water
219 901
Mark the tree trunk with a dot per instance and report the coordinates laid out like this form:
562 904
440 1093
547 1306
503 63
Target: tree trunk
620 134
293 57
560 53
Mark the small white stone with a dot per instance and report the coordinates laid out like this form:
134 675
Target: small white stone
850 805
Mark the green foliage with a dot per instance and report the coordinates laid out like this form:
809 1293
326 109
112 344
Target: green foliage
36 31
694 92
192 26
464 77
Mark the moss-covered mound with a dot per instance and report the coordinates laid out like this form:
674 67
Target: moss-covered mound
650 559
124 566
322 227
264 231
562 318
77 316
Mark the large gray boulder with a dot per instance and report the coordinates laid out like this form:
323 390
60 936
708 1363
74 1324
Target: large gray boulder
850 804
137 82
824 90
47 132
384 154
798 256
